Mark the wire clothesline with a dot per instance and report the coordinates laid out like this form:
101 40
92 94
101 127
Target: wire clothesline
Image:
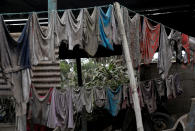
41 12
150 19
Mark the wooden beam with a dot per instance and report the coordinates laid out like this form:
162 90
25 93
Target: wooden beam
131 75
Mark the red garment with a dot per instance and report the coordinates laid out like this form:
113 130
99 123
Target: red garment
150 41
186 45
50 90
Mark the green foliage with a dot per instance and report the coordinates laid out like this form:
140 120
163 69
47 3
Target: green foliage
103 73
110 75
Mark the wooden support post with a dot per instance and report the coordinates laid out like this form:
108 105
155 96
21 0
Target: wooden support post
131 75
79 71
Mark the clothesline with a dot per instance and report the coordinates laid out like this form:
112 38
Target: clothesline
150 19
41 12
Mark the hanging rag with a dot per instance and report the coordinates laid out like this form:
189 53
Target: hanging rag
99 97
39 107
173 86
87 99
165 54
133 34
15 64
114 100
106 27
61 110
150 41
159 84
74 28
60 29
77 99
139 91
125 97
91 36
42 42
149 95
176 41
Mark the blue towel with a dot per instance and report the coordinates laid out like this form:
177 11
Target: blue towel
104 21
114 99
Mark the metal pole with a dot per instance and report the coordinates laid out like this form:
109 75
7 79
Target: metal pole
52 5
131 75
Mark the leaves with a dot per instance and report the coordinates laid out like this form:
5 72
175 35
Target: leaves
109 72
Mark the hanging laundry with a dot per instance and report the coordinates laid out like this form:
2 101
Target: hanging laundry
149 95
42 40
176 41
99 97
114 100
87 99
164 54
106 27
186 45
125 97
150 40
159 84
133 34
61 34
139 91
77 99
14 54
91 36
74 28
15 64
173 86
117 39
61 110
39 107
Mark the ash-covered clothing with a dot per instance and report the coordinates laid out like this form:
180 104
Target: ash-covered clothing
14 62
61 34
149 95
39 107
42 40
125 97
74 28
186 45
160 86
91 35
114 100
106 21
150 40
139 91
61 110
164 54
99 97
87 98
176 41
133 34
14 55
77 99
173 86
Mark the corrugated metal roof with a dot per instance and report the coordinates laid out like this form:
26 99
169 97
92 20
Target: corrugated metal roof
5 89
46 75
